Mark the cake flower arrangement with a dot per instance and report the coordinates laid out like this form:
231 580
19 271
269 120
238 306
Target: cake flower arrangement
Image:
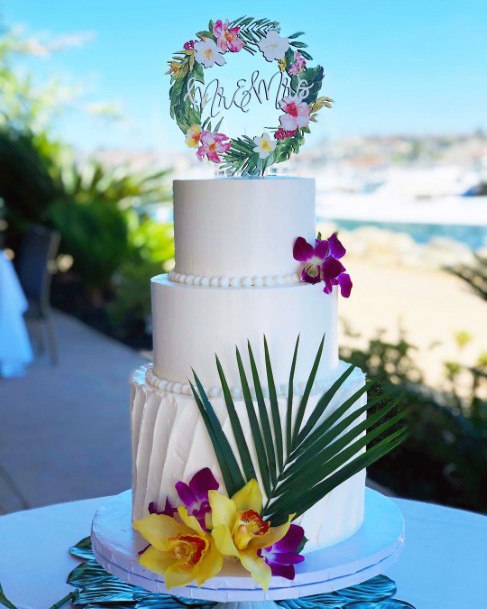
190 100
192 541
321 262
297 462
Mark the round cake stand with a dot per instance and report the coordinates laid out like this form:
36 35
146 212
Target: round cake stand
374 547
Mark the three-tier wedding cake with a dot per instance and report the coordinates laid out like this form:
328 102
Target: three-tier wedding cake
235 280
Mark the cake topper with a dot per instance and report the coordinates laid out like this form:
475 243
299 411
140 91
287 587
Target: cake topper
199 104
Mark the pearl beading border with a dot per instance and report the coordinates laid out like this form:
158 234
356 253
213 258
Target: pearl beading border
216 392
236 282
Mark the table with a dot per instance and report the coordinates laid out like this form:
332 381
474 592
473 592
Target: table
443 565
15 348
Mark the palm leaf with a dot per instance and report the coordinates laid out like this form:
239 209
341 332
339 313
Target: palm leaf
276 419
290 396
308 442
238 434
232 476
332 442
319 456
254 426
307 390
302 501
264 417
4 600
333 455
324 402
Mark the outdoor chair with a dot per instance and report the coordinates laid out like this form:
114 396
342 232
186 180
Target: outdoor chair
38 251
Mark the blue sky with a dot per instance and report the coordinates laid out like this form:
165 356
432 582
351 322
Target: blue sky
393 66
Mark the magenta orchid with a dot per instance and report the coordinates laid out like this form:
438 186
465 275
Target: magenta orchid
298 64
212 145
195 494
169 509
283 555
227 37
297 113
321 262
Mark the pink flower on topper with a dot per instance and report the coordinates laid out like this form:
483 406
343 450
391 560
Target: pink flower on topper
297 113
321 262
227 37
282 134
212 145
298 64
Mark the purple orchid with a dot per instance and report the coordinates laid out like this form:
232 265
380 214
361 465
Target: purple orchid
195 494
169 509
321 262
283 555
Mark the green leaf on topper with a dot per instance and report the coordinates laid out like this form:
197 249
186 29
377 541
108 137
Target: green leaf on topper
213 47
301 462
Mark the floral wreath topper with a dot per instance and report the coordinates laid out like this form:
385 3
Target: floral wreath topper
294 88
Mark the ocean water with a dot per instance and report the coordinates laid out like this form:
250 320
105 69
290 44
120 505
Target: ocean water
474 237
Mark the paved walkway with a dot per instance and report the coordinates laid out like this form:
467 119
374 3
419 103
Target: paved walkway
64 430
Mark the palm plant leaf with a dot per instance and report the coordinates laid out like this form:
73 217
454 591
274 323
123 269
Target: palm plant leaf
307 390
290 397
333 442
245 458
332 456
319 456
276 419
232 476
264 417
254 426
302 501
324 402
316 435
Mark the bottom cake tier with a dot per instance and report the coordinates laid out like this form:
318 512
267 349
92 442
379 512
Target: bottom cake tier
170 443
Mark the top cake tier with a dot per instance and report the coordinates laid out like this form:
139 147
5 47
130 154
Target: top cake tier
241 227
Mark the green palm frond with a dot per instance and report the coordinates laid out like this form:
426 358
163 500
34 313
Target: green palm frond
301 462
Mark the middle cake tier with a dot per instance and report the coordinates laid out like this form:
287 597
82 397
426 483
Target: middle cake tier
193 323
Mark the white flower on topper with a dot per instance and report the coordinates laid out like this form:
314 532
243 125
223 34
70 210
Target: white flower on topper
273 46
207 53
297 113
264 145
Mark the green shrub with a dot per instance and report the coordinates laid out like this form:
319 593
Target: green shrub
444 458
26 183
95 235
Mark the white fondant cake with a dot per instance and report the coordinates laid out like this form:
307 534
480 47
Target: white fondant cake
235 280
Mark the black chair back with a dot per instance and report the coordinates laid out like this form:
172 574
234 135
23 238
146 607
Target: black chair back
39 248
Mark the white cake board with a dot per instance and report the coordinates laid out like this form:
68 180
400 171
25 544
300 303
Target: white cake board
374 547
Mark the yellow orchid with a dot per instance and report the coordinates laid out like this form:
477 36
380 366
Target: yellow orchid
240 531
181 551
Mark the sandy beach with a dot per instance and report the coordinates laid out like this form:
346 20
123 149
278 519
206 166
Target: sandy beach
430 306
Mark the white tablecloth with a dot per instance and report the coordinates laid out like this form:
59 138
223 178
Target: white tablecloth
443 565
15 347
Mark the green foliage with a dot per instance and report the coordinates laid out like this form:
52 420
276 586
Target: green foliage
321 454
4 600
95 234
475 276
131 306
26 183
444 458
252 30
118 185
149 240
